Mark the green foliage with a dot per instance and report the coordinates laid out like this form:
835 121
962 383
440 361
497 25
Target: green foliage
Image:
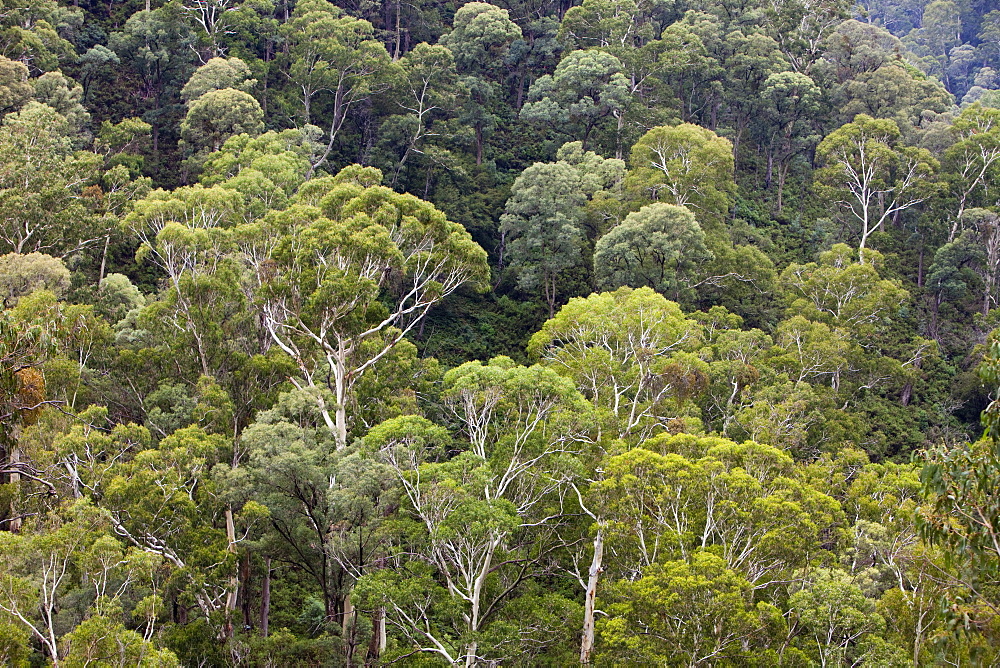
627 352
684 165
480 37
836 616
14 89
99 638
218 115
586 89
64 95
695 611
657 246
217 74
320 345
21 275
43 182
870 174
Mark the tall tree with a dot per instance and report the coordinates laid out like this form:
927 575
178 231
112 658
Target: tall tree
481 39
627 352
656 246
487 514
334 56
684 165
542 222
789 119
355 267
871 174
971 163
42 182
587 88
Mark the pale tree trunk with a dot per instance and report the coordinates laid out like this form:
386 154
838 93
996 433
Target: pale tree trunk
958 219
549 284
72 467
476 602
349 628
232 595
470 656
596 568
782 175
865 232
104 259
14 526
348 614
340 391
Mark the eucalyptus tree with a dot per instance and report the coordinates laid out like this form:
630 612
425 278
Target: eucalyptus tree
586 89
428 92
549 216
685 165
217 115
629 353
217 74
486 518
971 163
41 184
354 268
481 40
872 175
792 104
657 246
334 57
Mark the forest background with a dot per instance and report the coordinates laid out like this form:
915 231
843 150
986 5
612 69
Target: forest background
630 332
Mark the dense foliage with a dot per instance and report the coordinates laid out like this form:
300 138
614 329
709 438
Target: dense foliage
627 332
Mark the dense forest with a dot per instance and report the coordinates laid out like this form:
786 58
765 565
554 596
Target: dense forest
622 332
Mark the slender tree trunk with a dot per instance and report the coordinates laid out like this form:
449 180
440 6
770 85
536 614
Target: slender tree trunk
470 655
341 417
958 218
619 149
104 260
348 614
918 638
265 598
244 596
395 53
377 643
550 296
782 175
596 568
348 626
920 266
474 604
232 594
14 479
72 467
